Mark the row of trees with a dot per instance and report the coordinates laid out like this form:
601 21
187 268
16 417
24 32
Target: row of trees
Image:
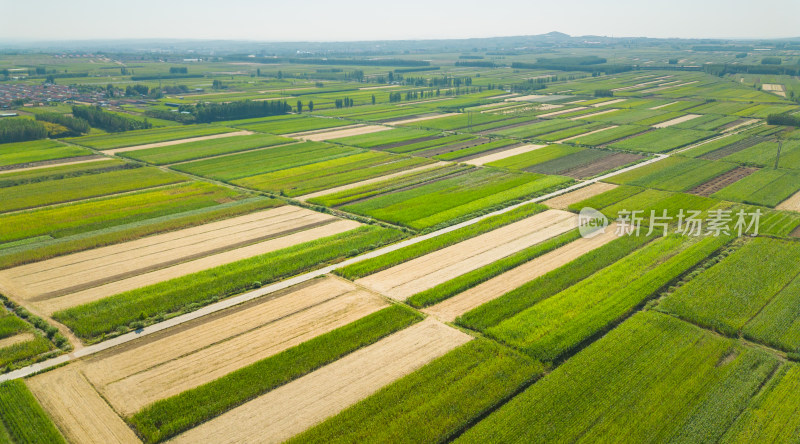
18 129
113 123
74 125
783 119
246 109
344 103
310 106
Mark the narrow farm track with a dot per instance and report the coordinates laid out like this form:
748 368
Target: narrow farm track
269 289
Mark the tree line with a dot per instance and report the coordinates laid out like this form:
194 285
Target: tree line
112 123
19 129
75 125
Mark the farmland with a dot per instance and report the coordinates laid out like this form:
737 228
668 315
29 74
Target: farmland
527 239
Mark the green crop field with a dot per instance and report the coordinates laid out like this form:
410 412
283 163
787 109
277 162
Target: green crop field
171 416
238 166
616 389
144 137
541 155
282 125
609 135
328 174
93 320
662 140
674 174
306 240
445 396
206 148
565 320
22 420
83 187
448 199
764 187
37 151
761 272
343 197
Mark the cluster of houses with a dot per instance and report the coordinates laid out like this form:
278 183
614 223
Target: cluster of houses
12 94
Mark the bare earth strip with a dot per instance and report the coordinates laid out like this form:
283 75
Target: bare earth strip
586 134
177 142
563 111
676 121
661 88
610 102
323 130
16 339
790 204
284 323
739 125
449 309
369 181
300 404
565 200
338 134
605 111
503 154
52 305
406 279
421 119
663 106
77 409
523 98
89 159
78 271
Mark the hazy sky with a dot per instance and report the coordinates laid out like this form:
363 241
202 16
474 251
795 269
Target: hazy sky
399 19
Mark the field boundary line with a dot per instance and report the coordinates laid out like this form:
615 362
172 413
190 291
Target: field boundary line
236 300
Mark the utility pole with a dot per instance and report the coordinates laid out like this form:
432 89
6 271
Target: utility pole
778 157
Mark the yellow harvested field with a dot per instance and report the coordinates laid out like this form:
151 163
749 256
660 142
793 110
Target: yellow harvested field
421 119
676 121
449 309
77 409
774 88
211 348
369 181
565 200
503 154
75 272
177 142
340 133
790 204
411 277
53 304
16 339
307 401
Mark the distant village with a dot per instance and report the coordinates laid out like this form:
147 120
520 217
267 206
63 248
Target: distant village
16 94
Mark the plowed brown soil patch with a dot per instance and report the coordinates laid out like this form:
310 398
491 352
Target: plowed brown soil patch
722 181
